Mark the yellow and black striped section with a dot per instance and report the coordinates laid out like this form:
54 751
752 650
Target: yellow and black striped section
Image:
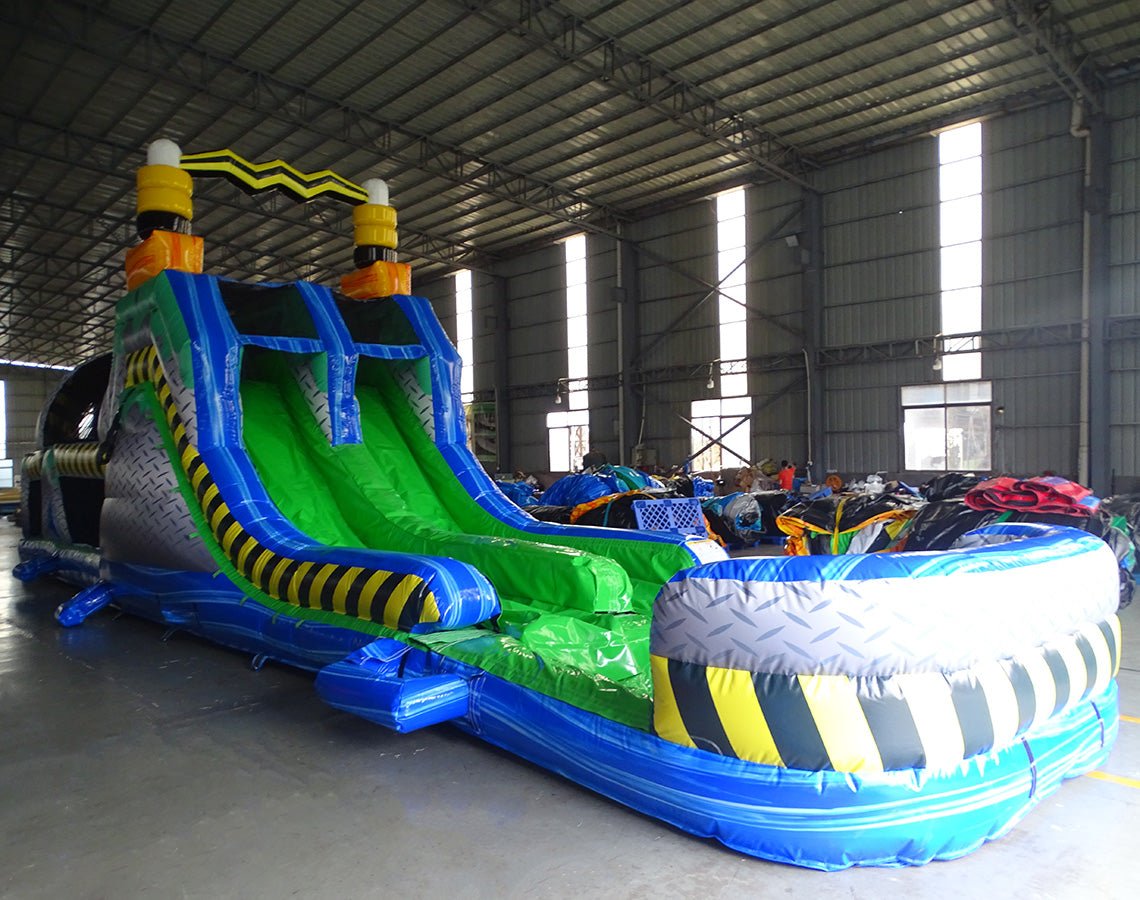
33 465
871 724
255 177
79 460
400 601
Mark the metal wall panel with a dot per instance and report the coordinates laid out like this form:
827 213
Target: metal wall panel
880 449
864 408
775 296
537 309
881 238
601 260
483 292
441 293
1034 298
686 238
775 282
885 166
1031 362
881 281
670 299
1032 176
1031 449
1124 233
1123 106
25 392
529 447
776 293
886 299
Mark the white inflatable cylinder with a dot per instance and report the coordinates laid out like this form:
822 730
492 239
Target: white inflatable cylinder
163 152
377 189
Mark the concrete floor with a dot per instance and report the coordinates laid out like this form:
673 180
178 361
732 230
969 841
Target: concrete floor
130 767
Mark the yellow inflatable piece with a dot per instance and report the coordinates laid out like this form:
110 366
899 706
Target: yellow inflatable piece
276 173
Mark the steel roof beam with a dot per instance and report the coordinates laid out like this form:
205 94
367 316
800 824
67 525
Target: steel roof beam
550 27
917 118
227 80
1053 43
115 160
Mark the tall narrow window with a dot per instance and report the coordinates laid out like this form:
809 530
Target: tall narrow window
7 466
569 429
960 236
464 334
577 331
727 418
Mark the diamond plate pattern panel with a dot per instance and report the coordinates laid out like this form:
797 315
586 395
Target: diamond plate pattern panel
419 400
145 519
54 515
183 398
317 398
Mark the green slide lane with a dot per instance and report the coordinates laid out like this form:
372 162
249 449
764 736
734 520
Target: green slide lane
599 663
390 428
567 625
381 495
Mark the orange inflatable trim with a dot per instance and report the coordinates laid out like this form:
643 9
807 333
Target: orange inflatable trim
381 279
163 250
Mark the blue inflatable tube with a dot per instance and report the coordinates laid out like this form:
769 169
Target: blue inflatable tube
819 819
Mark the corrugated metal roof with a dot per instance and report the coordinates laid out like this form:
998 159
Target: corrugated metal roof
498 124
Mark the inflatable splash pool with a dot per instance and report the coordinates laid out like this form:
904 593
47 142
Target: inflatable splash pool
282 468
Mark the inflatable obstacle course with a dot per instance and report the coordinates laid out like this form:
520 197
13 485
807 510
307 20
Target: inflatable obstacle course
283 468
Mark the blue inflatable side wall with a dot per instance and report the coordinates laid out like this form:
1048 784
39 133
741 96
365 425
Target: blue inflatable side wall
819 819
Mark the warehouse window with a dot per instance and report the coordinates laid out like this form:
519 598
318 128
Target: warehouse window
569 429
727 420
7 466
946 427
464 334
569 434
960 237
715 416
577 334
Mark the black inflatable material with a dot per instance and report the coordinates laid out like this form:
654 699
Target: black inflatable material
72 413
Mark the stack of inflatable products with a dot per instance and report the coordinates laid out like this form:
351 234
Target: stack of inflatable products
285 471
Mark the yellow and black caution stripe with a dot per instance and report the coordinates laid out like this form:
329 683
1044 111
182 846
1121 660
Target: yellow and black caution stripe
79 460
398 600
277 174
871 724
33 465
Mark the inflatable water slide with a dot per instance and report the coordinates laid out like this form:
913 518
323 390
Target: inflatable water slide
283 468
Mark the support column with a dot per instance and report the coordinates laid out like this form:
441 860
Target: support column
500 306
626 298
1096 277
813 330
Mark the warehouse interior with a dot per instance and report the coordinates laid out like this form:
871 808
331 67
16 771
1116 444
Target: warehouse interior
872 238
